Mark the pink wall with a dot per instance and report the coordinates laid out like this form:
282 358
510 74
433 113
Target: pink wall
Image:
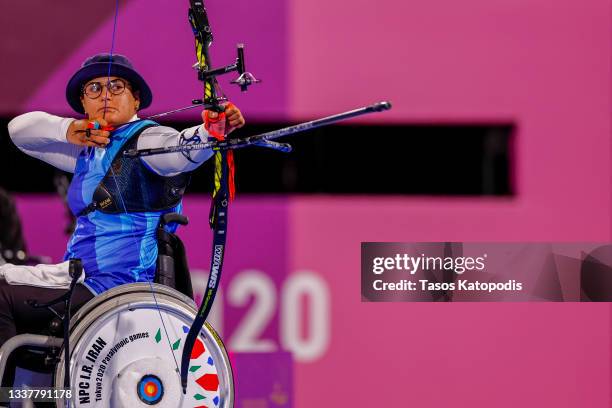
544 65
541 64
433 355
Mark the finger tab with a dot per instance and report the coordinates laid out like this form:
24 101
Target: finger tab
93 125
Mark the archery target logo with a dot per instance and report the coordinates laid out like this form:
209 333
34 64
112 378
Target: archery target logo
150 389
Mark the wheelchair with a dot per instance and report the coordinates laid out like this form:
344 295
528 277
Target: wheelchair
126 344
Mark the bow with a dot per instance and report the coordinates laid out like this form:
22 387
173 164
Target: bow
224 188
213 100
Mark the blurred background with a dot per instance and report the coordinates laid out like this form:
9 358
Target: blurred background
500 131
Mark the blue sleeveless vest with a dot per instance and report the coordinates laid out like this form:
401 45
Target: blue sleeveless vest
117 246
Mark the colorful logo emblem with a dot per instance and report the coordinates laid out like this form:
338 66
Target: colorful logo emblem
150 389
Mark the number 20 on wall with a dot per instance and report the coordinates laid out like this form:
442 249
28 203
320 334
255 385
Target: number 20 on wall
246 337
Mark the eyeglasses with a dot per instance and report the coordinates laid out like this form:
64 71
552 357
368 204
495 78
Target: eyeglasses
115 87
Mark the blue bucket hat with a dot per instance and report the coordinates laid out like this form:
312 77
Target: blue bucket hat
97 66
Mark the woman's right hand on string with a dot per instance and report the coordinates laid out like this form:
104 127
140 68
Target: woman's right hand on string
80 133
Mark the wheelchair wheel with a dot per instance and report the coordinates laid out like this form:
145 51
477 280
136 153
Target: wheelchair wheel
126 348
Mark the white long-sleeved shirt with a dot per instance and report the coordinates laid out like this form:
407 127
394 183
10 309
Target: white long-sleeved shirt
43 136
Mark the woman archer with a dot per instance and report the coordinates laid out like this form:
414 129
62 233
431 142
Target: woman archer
117 201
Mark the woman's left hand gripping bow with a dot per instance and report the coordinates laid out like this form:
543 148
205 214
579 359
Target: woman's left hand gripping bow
221 124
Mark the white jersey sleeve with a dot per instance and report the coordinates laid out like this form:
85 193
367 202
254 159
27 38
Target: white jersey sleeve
43 136
171 164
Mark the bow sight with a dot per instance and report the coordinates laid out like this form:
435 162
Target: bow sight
201 30
244 80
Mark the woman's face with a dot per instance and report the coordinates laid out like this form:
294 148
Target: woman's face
110 98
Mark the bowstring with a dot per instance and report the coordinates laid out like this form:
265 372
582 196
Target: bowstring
114 177
112 50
